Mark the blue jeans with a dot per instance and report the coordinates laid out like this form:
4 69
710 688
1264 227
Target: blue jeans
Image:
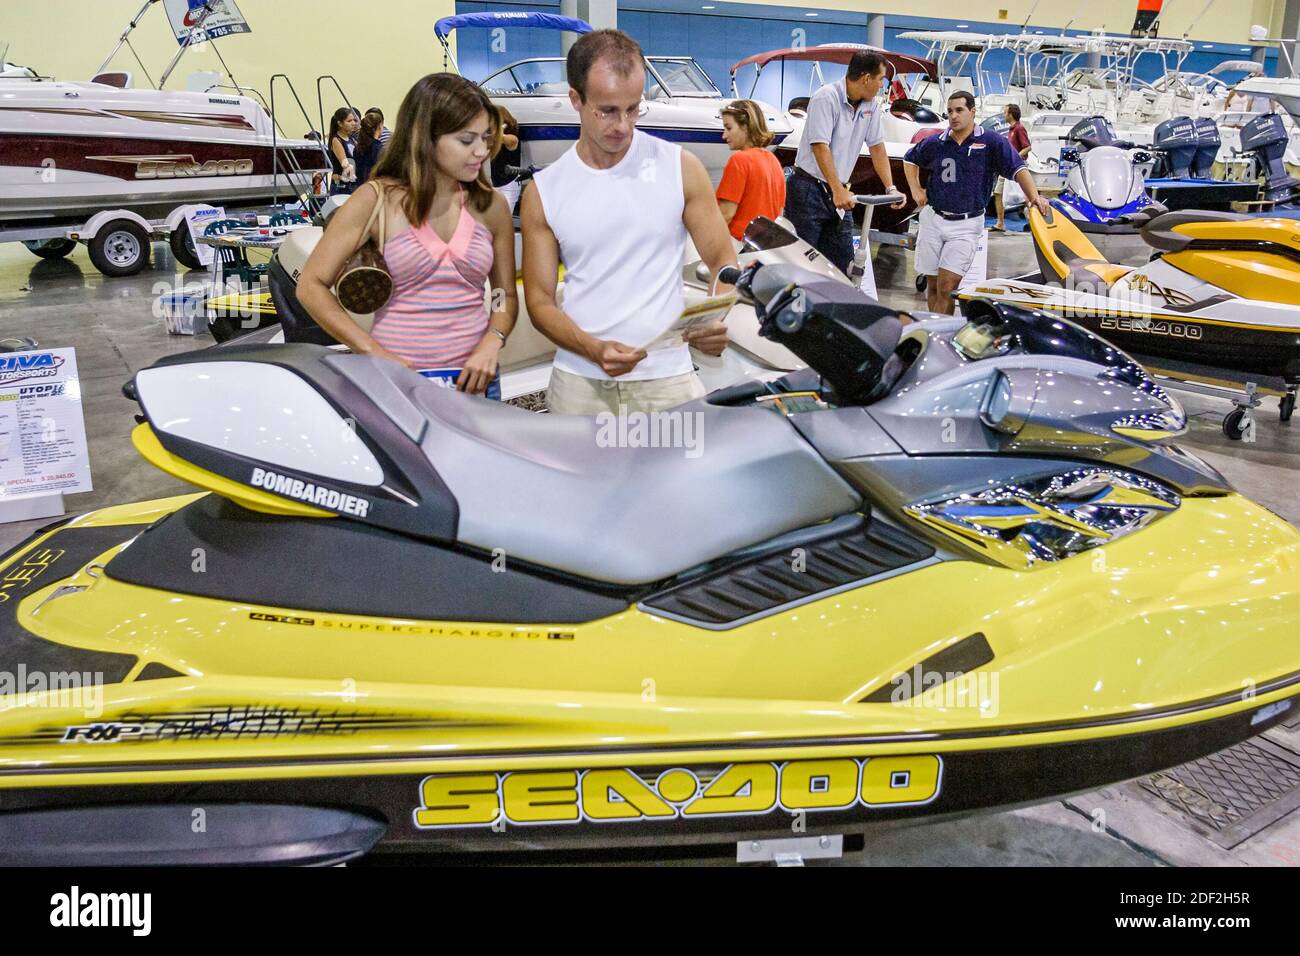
818 222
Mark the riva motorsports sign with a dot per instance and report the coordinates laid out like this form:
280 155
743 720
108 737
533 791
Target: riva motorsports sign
42 432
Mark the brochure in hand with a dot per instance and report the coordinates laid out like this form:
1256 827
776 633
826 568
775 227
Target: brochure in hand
698 316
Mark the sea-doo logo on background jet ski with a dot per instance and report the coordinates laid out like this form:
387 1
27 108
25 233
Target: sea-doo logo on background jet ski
1149 326
21 366
180 166
612 795
307 492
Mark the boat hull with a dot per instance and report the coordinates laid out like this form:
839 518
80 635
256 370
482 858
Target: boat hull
69 150
547 735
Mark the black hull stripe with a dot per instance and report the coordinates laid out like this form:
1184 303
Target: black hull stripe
784 743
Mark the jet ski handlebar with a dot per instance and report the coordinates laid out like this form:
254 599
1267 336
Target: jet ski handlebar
883 199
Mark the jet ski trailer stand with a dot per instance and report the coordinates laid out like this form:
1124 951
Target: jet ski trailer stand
1243 390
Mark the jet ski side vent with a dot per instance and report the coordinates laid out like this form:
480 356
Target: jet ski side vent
776 581
952 662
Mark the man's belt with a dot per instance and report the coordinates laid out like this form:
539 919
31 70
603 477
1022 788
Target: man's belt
957 216
800 171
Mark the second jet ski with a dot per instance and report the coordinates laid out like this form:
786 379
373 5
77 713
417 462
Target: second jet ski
1221 293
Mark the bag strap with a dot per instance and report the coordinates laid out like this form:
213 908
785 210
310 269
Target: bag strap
380 213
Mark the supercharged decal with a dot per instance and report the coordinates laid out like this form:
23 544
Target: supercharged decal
428 630
310 493
617 795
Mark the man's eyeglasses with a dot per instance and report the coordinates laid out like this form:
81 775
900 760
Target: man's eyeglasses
609 115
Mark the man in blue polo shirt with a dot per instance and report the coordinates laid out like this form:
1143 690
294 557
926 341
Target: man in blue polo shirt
964 161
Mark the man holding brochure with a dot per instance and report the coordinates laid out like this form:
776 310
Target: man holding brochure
622 338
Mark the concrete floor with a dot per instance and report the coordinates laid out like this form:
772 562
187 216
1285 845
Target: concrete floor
112 325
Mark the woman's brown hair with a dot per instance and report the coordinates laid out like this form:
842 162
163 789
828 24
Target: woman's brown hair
749 117
438 104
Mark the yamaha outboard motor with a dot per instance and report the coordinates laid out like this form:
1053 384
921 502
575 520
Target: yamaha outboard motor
1093 132
1267 137
1207 147
996 124
1176 140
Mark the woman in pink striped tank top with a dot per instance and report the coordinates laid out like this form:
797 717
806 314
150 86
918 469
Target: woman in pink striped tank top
436 176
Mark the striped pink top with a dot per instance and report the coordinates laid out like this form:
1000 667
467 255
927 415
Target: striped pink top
436 314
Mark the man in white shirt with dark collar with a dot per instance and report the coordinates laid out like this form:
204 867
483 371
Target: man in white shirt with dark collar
841 117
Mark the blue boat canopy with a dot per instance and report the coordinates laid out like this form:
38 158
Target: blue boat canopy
544 21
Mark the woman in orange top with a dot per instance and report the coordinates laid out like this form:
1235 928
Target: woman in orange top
753 184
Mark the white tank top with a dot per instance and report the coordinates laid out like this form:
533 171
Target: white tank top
622 241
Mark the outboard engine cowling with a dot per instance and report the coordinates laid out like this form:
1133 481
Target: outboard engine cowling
996 124
1177 139
1266 136
1093 132
1207 147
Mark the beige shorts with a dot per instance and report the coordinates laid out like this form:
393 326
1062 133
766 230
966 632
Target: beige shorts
570 394
946 244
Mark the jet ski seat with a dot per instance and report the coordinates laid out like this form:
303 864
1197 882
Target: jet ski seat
1065 254
627 501
1160 233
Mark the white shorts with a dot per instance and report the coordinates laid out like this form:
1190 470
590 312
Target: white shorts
946 243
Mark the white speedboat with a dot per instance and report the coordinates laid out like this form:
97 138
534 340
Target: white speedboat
71 149
681 103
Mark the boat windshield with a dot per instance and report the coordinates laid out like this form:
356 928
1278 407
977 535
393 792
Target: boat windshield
683 77
543 77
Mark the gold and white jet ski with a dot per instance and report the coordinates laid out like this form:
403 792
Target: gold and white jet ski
1219 298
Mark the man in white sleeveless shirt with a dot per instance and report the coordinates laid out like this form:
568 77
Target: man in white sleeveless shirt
616 208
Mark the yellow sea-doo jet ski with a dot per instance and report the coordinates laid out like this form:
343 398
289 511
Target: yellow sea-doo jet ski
951 567
1221 294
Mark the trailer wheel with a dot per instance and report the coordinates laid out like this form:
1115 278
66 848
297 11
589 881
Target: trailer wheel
1286 406
182 245
50 248
120 248
1234 424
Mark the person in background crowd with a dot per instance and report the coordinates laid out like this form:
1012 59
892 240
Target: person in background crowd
964 162
1018 137
448 231
384 132
1240 102
343 124
618 207
753 184
841 117
368 146
508 155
